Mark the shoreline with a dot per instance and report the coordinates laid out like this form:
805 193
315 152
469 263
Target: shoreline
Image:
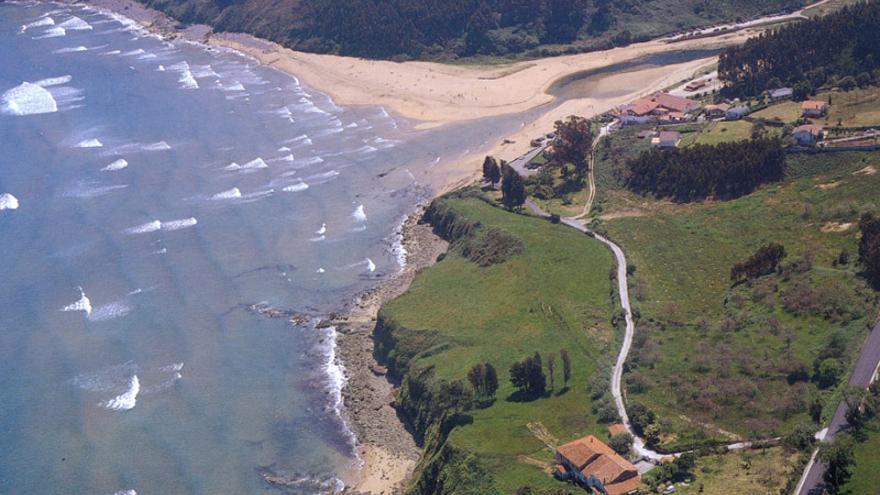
386 447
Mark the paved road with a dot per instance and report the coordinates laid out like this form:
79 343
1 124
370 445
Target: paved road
863 374
519 164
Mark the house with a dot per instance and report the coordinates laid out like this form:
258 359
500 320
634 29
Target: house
736 113
657 105
813 108
808 134
594 465
781 94
666 139
695 85
716 111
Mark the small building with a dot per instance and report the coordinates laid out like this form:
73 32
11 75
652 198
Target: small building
813 108
716 111
595 466
736 113
781 94
695 85
666 139
658 105
808 134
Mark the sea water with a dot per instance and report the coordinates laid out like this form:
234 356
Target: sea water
150 192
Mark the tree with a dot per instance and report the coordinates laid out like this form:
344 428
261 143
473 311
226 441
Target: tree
528 376
640 417
513 190
566 366
551 364
763 262
491 380
801 438
484 380
829 373
491 171
573 142
869 247
621 443
838 459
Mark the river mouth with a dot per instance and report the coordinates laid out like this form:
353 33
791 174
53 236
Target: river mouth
609 81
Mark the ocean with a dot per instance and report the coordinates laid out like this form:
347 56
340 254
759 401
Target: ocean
152 193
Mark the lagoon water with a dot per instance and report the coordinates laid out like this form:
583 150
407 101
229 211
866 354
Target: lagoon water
149 192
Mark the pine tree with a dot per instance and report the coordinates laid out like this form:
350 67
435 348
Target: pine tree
491 171
566 366
551 364
513 190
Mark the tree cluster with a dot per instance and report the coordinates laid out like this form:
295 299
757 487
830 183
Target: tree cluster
572 145
528 376
484 379
726 170
842 48
491 170
763 262
869 247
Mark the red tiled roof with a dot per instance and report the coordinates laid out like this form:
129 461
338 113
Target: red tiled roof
643 106
623 487
675 103
813 105
595 458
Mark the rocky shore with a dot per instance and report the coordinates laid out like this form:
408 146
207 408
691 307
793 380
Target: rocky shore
385 445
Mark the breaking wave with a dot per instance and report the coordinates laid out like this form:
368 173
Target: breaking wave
90 143
359 215
127 400
117 165
82 304
27 99
157 225
8 202
300 186
233 193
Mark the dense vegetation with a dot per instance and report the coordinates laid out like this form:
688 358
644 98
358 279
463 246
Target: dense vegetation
726 170
841 48
869 247
713 357
446 29
550 302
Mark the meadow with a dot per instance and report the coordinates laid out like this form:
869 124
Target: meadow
555 294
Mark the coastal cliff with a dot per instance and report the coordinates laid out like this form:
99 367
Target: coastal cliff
473 306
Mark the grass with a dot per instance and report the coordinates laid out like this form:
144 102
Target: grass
741 473
683 255
865 475
720 132
856 108
504 312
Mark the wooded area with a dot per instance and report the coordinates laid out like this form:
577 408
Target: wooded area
842 48
726 170
448 29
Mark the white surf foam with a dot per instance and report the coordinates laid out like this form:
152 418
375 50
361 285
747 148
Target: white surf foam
145 228
300 186
312 160
187 81
203 71
320 270
110 311
71 49
256 163
233 193
371 267
157 146
45 21
134 53
127 400
91 189
359 215
322 230
76 24
90 143
54 81
126 492
55 32
161 68
322 177
283 149
117 165
82 304
8 202
112 52
27 99
179 224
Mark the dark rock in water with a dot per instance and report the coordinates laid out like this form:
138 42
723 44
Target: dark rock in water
297 483
264 309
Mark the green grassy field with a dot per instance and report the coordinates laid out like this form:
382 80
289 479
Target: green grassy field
742 473
829 7
720 132
856 108
725 352
555 294
865 475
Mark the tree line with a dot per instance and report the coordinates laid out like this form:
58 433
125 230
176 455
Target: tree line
446 29
869 247
840 48
725 170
